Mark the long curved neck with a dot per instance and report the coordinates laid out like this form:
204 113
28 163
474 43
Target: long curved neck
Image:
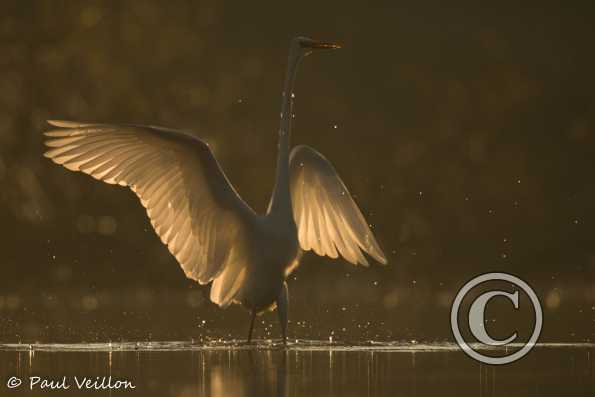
280 203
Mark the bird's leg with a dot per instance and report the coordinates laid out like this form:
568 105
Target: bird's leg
282 303
251 326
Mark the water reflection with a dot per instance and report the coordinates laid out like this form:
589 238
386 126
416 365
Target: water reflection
180 369
250 373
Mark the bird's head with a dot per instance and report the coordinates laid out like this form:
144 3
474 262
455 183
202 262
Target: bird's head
305 46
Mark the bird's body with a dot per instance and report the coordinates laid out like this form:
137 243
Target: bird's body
274 251
215 236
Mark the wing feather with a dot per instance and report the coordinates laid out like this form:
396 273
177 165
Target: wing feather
190 203
328 219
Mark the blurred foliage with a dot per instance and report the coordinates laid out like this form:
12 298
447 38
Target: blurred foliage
465 132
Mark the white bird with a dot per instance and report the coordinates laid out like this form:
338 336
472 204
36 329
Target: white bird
215 236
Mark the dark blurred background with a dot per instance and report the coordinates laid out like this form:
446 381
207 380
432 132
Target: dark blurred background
465 132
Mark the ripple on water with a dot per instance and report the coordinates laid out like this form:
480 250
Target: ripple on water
267 344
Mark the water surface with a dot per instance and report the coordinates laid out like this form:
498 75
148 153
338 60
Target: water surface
304 368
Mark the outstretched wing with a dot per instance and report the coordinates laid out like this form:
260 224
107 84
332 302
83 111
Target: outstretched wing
192 206
328 220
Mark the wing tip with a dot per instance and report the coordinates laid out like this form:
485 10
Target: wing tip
378 256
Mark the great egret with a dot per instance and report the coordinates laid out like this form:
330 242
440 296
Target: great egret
212 232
